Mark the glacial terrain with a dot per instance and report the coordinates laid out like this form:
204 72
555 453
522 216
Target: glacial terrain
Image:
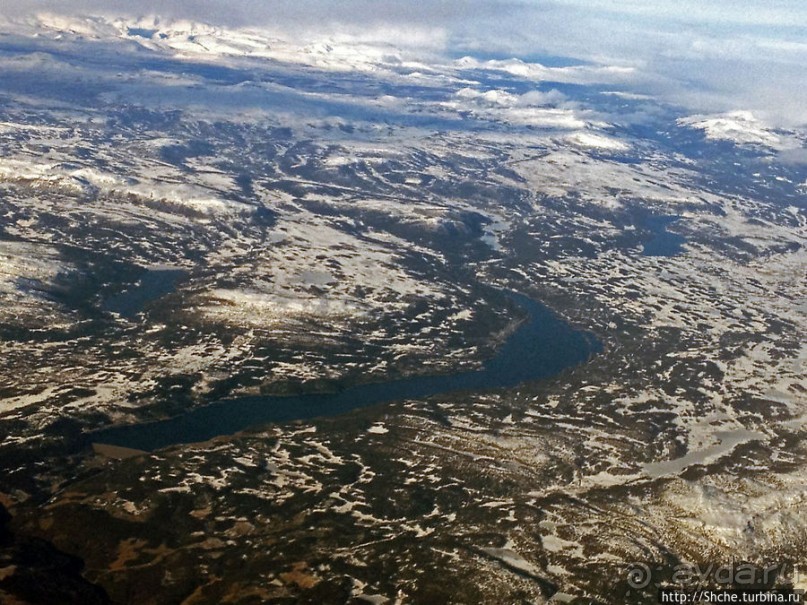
191 214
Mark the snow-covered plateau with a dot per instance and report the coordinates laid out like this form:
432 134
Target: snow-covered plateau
336 212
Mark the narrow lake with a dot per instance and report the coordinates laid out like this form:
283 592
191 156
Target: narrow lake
542 346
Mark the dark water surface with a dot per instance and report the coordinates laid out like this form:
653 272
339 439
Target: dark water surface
662 242
152 285
542 346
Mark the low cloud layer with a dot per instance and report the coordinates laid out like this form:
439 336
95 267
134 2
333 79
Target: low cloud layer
717 56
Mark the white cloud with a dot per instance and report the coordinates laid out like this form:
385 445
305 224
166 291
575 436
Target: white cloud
502 98
714 56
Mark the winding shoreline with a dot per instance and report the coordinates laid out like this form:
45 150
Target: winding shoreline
542 346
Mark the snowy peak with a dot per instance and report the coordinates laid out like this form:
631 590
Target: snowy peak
742 128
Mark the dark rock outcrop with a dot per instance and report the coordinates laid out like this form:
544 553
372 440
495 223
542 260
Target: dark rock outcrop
34 572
